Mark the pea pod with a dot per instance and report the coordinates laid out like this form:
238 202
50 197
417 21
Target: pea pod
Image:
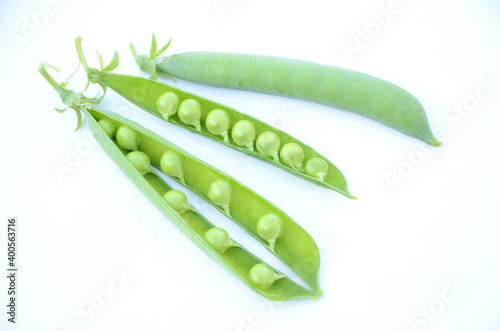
220 123
134 149
336 87
292 244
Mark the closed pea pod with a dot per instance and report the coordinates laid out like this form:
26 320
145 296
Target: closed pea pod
151 90
332 86
192 224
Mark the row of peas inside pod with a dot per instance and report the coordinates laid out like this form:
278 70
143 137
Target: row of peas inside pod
242 133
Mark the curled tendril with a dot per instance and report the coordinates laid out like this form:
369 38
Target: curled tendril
67 80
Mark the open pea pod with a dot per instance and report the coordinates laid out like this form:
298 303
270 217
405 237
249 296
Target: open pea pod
133 147
283 236
213 241
224 125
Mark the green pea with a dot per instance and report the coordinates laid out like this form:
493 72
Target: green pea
221 193
217 123
268 143
140 161
167 104
262 276
316 167
177 200
190 113
243 134
127 138
270 227
173 164
108 126
218 239
292 155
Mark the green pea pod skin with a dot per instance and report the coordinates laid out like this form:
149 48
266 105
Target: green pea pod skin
235 259
144 92
332 86
294 247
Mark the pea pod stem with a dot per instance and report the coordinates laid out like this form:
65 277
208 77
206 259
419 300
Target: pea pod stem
332 86
41 68
70 98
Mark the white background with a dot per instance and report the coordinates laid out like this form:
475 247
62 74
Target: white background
419 254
